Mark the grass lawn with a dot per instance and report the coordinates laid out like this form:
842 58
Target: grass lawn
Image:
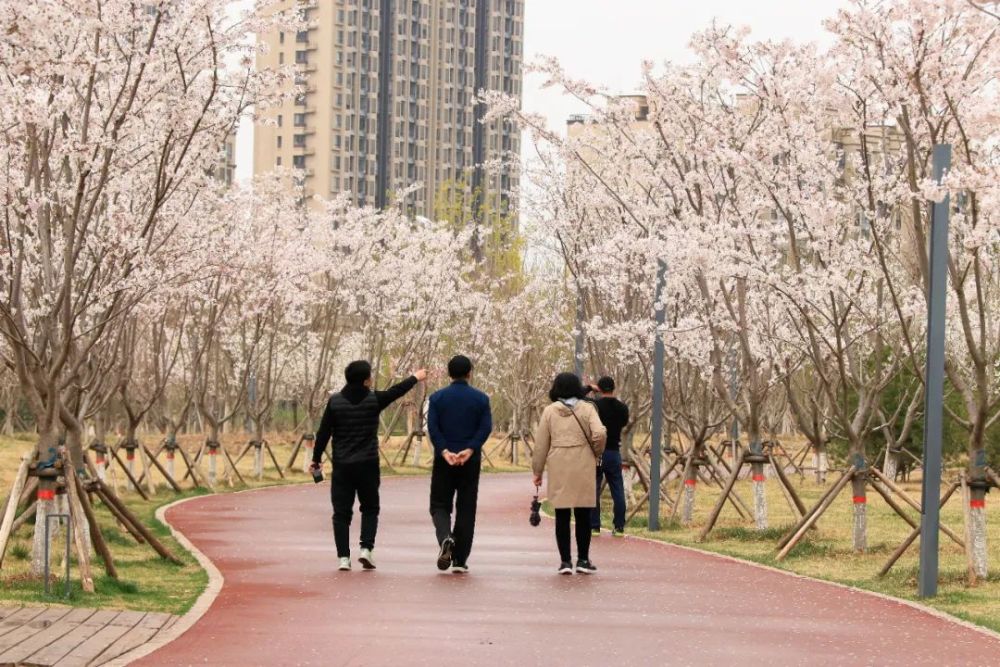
145 581
827 554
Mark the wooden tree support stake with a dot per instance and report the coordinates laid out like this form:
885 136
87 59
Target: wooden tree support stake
791 533
144 459
645 497
911 538
274 459
734 498
95 531
194 472
159 466
794 501
720 503
146 534
23 517
7 525
105 496
814 516
232 466
915 505
77 519
135 483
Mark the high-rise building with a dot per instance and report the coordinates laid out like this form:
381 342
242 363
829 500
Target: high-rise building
389 99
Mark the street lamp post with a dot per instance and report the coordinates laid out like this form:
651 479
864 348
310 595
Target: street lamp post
656 431
934 374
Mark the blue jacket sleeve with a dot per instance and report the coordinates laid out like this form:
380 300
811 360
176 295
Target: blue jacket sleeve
434 425
485 426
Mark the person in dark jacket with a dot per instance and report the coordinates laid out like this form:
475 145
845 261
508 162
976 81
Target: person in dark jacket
351 421
459 422
614 416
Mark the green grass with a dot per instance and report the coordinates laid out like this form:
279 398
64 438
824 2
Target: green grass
826 552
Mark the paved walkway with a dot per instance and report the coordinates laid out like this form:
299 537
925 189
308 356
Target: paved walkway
67 637
283 603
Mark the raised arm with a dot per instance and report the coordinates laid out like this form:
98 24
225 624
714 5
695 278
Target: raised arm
395 392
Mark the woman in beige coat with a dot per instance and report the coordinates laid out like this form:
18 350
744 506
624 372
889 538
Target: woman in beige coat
569 441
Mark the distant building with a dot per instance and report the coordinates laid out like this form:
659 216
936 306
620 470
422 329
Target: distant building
388 98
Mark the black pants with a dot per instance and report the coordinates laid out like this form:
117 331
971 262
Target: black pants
459 485
582 516
350 480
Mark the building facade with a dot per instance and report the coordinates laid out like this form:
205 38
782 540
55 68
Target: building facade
387 99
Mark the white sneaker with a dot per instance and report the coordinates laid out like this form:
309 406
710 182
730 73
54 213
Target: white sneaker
345 563
367 559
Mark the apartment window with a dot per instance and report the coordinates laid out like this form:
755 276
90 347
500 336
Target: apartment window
281 37
302 36
298 140
279 141
299 161
281 57
299 120
301 57
278 161
279 120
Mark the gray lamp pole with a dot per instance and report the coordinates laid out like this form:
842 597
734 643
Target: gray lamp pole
934 373
656 431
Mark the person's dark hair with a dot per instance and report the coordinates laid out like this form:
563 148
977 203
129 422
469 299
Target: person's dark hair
357 372
459 367
606 384
566 385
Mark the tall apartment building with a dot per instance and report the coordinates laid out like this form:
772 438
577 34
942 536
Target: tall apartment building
389 99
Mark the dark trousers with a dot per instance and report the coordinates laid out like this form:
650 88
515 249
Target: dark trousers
582 516
610 471
458 486
350 480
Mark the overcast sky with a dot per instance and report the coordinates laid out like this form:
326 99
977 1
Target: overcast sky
605 41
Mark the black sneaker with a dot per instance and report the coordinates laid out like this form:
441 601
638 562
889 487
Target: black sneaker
444 555
585 567
566 567
459 568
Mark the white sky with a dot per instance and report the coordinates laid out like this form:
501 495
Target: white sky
605 42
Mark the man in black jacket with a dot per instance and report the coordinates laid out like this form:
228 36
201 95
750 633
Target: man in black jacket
614 415
351 420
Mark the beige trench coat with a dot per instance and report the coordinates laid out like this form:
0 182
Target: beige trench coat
562 448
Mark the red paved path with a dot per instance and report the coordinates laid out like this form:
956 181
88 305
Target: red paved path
283 603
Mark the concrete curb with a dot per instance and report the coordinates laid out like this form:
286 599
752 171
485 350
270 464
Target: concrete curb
937 613
207 597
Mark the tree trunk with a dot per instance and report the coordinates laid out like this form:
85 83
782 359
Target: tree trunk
820 463
978 486
859 487
10 407
891 465
691 483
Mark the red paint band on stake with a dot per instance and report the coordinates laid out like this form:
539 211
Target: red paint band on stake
759 478
130 456
100 460
46 494
170 455
690 482
977 504
860 500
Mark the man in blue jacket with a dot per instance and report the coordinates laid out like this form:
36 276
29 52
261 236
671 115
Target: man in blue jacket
459 422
